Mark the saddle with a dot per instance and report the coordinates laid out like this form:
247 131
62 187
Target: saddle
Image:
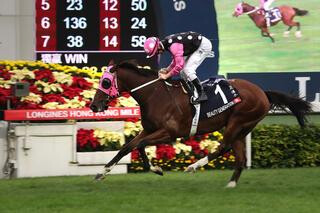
272 15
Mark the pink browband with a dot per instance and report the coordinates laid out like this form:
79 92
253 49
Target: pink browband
113 90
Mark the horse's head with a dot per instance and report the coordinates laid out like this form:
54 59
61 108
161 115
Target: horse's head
242 8
238 10
108 89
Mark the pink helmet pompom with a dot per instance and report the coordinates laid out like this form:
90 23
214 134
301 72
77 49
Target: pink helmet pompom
151 46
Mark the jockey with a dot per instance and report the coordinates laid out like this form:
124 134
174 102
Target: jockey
265 4
188 50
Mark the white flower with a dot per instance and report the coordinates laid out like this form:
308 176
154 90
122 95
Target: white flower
180 147
209 144
32 98
151 152
20 74
62 78
88 94
95 82
51 105
48 87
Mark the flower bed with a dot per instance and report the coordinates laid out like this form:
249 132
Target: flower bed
176 157
52 86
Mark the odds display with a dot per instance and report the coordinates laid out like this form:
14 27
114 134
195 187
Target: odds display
92 32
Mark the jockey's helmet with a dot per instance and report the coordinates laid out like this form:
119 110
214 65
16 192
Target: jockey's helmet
151 46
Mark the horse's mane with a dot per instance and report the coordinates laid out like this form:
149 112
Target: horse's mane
135 68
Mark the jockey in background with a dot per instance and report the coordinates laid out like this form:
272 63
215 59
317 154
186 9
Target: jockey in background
265 4
188 51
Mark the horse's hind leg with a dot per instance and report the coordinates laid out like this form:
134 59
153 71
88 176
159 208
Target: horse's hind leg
238 148
265 33
291 24
286 33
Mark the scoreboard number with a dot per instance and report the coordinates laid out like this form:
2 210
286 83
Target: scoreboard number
110 42
74 5
75 41
139 5
45 23
45 40
75 22
45 5
138 41
137 24
110 5
110 23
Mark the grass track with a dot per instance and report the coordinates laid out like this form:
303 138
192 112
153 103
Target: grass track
276 191
243 49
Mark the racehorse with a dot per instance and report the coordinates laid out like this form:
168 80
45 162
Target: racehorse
258 17
166 114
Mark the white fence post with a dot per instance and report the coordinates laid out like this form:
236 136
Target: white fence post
248 150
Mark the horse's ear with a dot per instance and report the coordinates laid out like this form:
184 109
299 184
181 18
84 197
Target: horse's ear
133 61
111 63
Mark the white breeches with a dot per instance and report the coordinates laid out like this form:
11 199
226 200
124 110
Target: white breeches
193 61
266 5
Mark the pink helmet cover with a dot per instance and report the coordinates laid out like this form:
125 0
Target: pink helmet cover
151 46
113 90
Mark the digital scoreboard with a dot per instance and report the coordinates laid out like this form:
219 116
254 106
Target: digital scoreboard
89 33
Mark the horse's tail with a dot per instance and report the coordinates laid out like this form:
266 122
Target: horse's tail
300 12
297 106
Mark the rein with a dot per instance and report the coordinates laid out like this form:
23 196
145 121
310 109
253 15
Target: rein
144 85
252 11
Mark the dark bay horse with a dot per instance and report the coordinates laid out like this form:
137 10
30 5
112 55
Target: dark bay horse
166 114
258 17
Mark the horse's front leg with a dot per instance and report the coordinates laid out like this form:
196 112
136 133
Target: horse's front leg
265 33
160 136
126 149
147 164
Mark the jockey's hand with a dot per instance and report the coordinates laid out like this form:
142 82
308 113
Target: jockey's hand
164 76
163 70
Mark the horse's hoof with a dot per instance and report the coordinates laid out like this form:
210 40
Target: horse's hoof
157 170
286 34
99 177
231 184
190 169
298 34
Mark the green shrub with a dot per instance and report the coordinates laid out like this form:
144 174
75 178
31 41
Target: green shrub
278 146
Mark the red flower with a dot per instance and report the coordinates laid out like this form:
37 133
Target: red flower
86 138
53 98
81 83
135 155
113 102
34 89
165 151
44 75
195 146
4 93
125 94
70 92
27 105
134 120
5 74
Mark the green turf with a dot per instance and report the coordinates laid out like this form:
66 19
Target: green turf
242 49
282 190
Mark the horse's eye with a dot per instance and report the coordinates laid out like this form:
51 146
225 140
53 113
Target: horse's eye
106 83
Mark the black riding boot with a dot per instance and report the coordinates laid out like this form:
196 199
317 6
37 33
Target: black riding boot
201 94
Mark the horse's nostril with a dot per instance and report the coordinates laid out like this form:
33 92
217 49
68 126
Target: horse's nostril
94 108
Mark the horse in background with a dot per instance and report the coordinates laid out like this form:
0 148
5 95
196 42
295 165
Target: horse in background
257 15
166 114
